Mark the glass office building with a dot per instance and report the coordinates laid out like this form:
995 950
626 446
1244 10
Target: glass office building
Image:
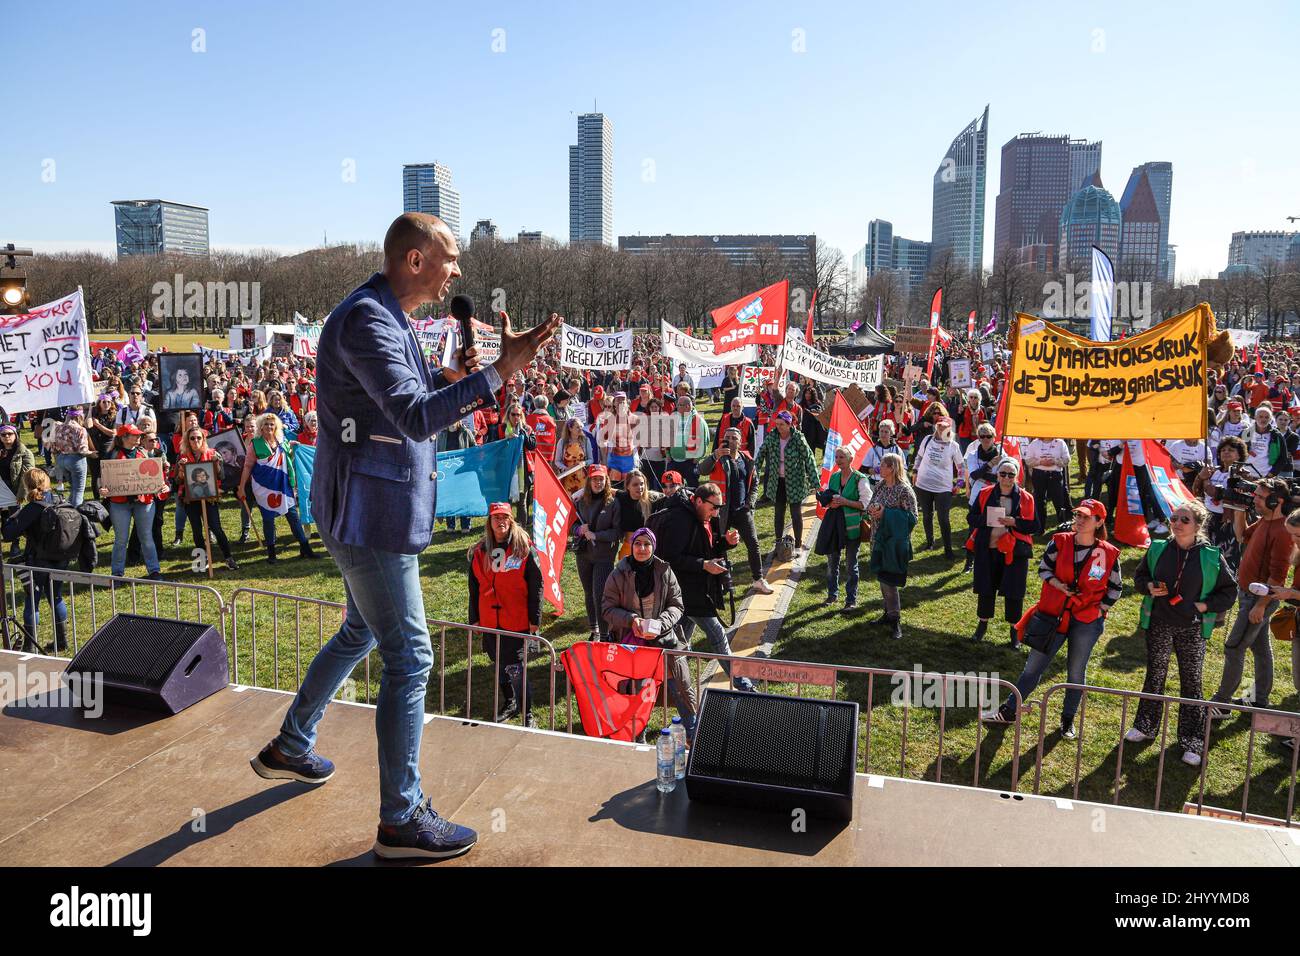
957 216
151 227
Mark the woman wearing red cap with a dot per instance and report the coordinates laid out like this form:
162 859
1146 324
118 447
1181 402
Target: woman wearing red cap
122 508
505 593
1081 583
596 536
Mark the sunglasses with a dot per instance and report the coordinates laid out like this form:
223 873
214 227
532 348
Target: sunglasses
1182 519
1006 474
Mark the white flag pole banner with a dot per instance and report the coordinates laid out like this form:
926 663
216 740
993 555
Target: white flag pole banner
588 350
305 336
680 347
45 357
243 356
707 376
752 380
804 359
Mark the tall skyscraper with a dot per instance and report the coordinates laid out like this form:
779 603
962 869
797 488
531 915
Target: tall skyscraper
1139 246
1033 189
591 181
151 227
957 215
426 187
1160 176
1250 250
1085 162
1090 218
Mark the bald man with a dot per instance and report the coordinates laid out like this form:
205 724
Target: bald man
380 407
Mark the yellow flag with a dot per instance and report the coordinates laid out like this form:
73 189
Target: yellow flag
1152 385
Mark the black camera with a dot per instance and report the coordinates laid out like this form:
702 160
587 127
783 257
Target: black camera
1239 492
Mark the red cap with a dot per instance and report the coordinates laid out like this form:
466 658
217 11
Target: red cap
499 508
596 470
128 429
1092 508
672 476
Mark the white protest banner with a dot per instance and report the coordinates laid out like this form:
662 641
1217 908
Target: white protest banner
45 357
680 347
305 337
243 356
589 350
707 376
447 334
959 372
800 357
752 380
1243 338
127 477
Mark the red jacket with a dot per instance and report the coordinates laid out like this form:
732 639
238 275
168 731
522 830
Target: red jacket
502 590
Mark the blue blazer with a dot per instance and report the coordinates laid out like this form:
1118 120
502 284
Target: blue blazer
379 407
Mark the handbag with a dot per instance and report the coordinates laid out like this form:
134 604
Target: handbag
1282 624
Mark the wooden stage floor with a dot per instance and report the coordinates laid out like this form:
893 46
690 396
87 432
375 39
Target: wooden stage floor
133 789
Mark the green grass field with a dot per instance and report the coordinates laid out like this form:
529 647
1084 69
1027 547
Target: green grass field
275 640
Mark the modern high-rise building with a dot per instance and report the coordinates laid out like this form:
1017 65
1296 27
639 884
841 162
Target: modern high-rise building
151 227
426 187
1139 244
886 252
1160 177
957 213
1033 189
1085 162
1172 264
1250 250
591 181
1090 218
483 229
738 250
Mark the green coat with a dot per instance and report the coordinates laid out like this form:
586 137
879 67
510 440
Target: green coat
22 462
801 473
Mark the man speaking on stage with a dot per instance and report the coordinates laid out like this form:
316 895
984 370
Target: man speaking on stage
380 407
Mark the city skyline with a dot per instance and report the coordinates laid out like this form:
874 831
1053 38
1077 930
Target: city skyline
283 153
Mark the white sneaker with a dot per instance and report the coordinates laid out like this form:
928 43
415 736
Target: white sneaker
1135 736
762 587
1160 528
1191 758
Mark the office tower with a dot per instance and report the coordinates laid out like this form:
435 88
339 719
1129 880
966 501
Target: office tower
426 187
1139 247
738 250
591 181
957 213
1085 162
1160 176
1090 218
150 227
1034 185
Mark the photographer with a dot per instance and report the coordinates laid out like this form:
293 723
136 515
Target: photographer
1210 485
691 540
1264 560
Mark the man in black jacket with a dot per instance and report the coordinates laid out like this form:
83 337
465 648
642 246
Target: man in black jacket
692 541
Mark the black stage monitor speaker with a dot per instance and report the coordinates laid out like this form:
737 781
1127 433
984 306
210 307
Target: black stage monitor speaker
153 663
776 753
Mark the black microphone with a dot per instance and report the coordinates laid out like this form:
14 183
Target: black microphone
462 310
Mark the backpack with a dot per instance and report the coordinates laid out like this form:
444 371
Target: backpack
784 548
59 537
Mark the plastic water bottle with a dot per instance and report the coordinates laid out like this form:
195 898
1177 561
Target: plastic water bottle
679 748
665 780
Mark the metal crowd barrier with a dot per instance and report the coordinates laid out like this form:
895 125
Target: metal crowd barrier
1262 720
244 623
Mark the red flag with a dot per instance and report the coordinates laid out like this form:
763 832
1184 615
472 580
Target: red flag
935 304
552 515
808 335
1259 366
1166 480
757 318
970 325
847 431
1010 445
1130 527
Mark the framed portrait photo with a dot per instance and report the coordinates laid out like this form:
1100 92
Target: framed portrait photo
230 446
180 386
201 481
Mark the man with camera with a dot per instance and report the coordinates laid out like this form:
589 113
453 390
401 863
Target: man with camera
1265 558
692 541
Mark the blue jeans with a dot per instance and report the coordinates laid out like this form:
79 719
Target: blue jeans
851 571
74 466
385 607
268 527
42 589
717 635
1082 638
122 512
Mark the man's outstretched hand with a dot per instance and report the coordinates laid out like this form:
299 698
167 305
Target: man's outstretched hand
519 349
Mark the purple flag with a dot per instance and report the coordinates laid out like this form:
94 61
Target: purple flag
131 352
144 326
991 327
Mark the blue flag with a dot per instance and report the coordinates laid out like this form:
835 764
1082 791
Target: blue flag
304 461
469 479
1101 295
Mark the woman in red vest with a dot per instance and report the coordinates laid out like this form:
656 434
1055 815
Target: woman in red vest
1081 582
505 594
1001 544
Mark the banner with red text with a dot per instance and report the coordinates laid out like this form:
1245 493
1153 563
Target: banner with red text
45 357
552 515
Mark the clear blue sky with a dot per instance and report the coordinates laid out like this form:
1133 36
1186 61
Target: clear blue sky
744 133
